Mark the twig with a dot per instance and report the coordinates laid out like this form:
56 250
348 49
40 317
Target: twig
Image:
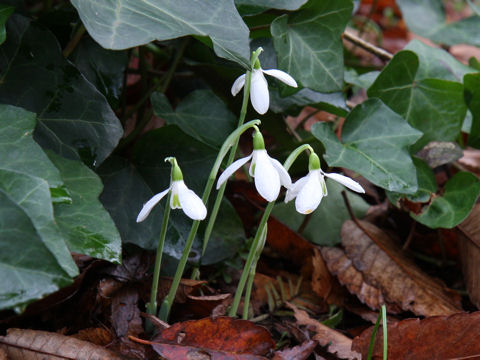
375 50
410 236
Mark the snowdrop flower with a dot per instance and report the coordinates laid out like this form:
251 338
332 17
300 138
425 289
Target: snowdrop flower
310 189
268 173
181 198
259 87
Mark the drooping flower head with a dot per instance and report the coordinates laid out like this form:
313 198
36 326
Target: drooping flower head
310 189
269 175
181 197
259 96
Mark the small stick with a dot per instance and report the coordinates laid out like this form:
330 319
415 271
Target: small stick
375 50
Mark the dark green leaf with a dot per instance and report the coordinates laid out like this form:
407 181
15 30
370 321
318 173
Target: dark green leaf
426 184
309 46
329 216
427 18
433 106
449 210
86 225
5 12
201 114
25 175
60 195
273 4
472 98
382 155
103 68
437 63
72 115
127 23
29 270
20 153
364 80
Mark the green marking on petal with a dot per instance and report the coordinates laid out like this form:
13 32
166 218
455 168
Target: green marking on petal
176 202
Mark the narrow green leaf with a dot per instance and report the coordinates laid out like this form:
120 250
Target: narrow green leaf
449 210
86 225
433 106
29 270
73 117
201 114
329 216
472 98
123 24
5 12
382 155
309 46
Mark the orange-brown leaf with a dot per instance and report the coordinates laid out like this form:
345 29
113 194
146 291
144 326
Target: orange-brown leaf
386 267
34 345
323 283
435 338
222 333
174 352
336 342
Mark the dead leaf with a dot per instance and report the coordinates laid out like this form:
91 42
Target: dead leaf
441 337
300 352
21 344
437 153
341 266
222 333
386 267
203 306
470 253
336 342
97 336
3 355
323 283
186 288
471 160
125 313
173 352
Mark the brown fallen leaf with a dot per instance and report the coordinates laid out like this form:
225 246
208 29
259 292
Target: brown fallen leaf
174 352
336 342
386 267
20 344
469 241
222 333
97 336
341 266
300 352
323 283
3 355
436 338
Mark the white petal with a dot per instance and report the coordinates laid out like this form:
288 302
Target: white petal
148 206
285 179
292 192
259 92
191 204
310 194
267 180
346 181
282 76
231 169
238 84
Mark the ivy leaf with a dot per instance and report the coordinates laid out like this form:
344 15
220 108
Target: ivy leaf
123 24
427 18
449 210
329 216
272 4
433 106
23 182
86 225
73 117
309 46
28 267
472 98
201 114
5 12
382 155
437 63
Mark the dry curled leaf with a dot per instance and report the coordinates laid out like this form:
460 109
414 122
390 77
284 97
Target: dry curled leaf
20 344
386 267
341 266
300 352
336 342
469 241
323 283
223 333
97 336
441 337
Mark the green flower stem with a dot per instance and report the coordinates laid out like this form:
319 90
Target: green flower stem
232 138
152 305
243 113
251 276
255 248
